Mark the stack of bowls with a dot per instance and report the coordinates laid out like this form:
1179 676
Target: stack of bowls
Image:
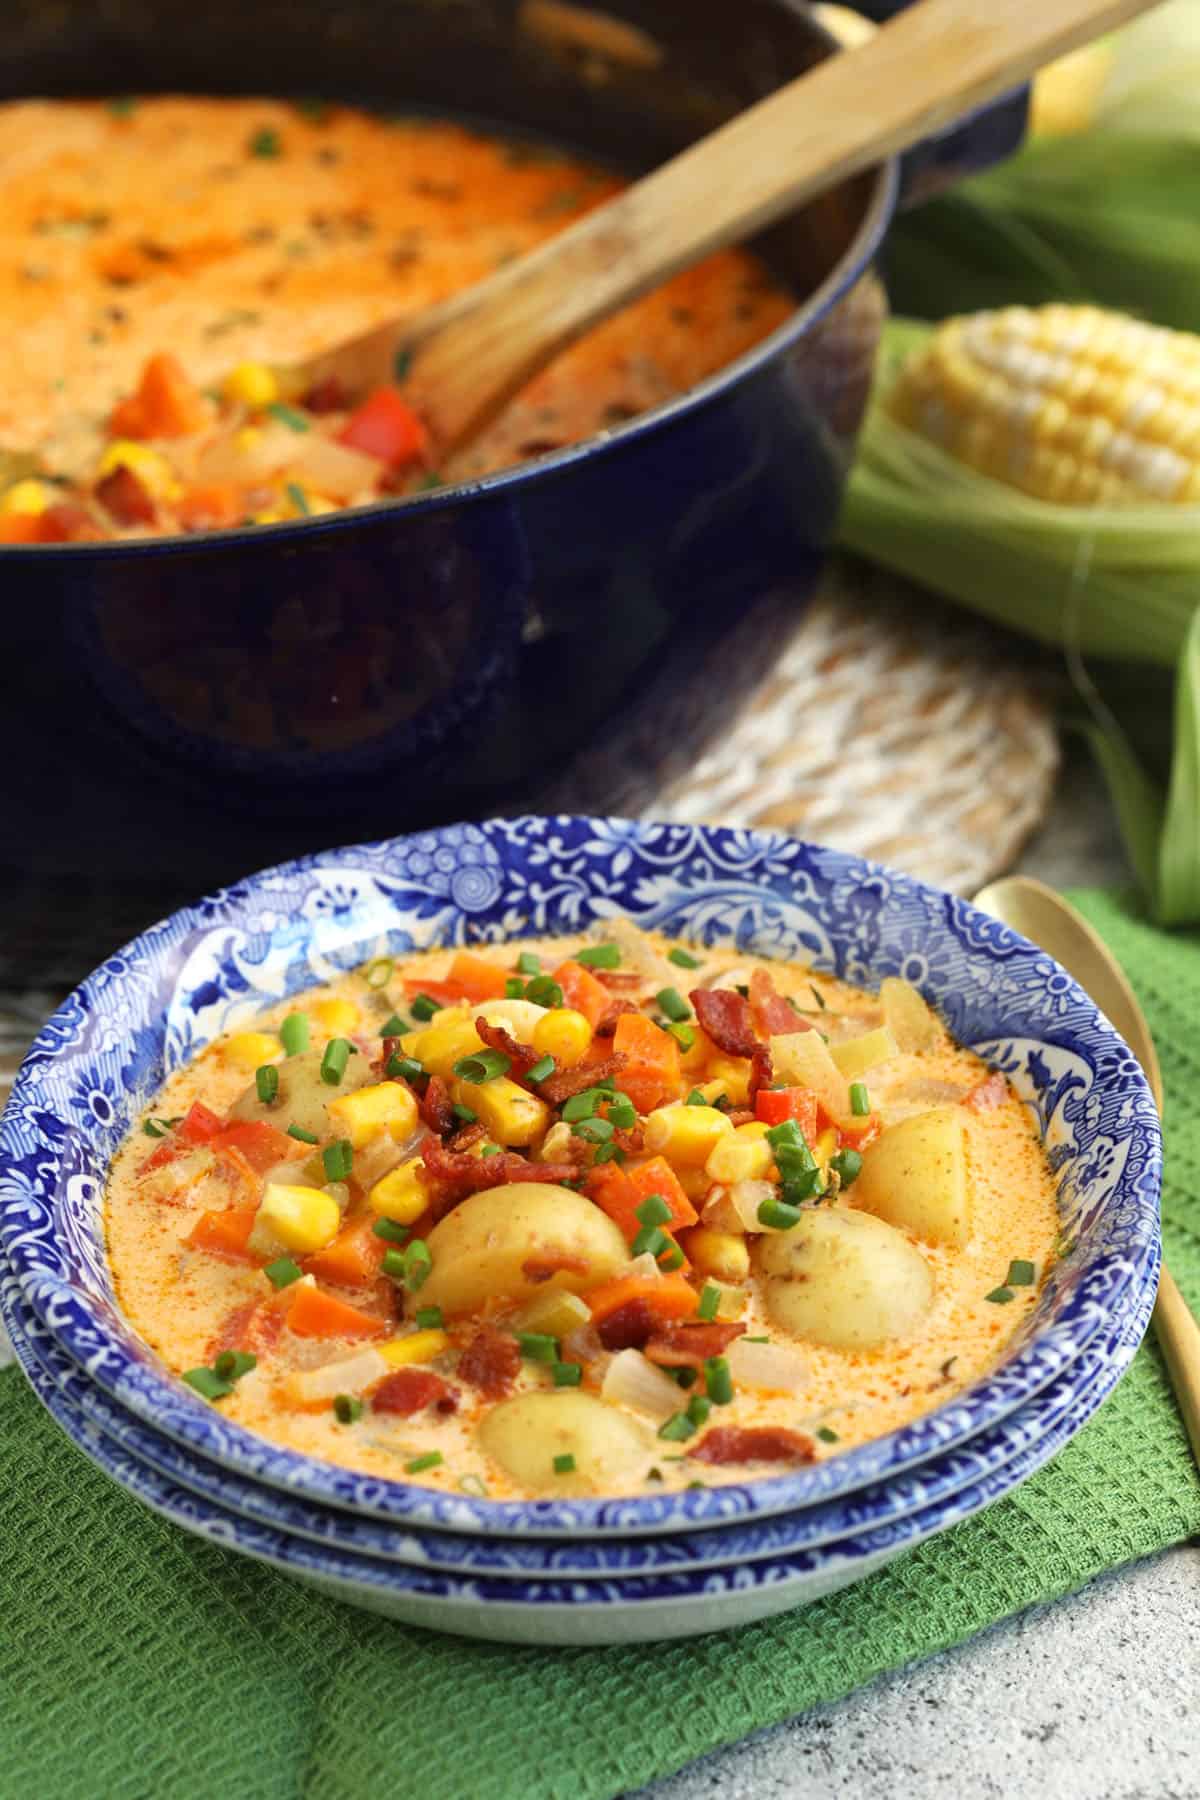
580 1571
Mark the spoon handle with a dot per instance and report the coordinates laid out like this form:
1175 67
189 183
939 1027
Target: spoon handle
1178 1337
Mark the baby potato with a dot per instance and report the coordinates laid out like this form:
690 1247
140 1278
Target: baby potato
526 1434
844 1279
481 1249
915 1176
303 1096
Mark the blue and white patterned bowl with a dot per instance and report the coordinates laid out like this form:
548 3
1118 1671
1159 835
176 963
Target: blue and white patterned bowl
100 1057
617 1609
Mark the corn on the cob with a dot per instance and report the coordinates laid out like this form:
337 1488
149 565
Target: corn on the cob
1072 404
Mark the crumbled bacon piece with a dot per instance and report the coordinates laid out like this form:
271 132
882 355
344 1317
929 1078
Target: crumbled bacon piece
773 1015
689 1346
456 1175
389 1047
762 1070
490 1362
123 495
753 1443
470 1135
986 1095
741 1115
568 1082
326 396
631 1139
725 1017
410 1391
522 1057
437 1109
544 1268
627 1327
608 1022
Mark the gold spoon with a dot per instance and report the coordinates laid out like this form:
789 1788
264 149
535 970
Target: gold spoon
1037 912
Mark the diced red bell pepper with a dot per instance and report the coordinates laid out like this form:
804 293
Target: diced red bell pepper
386 426
774 1106
261 1144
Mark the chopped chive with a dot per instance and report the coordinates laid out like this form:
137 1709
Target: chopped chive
544 992
860 1100
1000 1296
778 1215
696 1098
379 971
847 1164
430 1460
698 1408
390 1232
1020 1274
333 1063
293 1033
710 1300
418 1265
485 1066
677 1428
718 1382
405 1068
566 1374
393 1263
654 1475
756 1340
402 362
673 1004
592 1131
514 988
654 1210
671 1258
582 1106
338 1159
265 142
827 1436
564 1464
423 1008
465 1114
208 1384
429 1318
489 1150
536 1346
348 1408
622 1113
818 996
543 1068
394 1027
301 1136
682 960
650 1240
528 963
684 1035
684 1378
266 1083
298 498
610 1153
282 1273
600 956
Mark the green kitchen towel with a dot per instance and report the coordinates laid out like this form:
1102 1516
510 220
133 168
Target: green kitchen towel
137 1661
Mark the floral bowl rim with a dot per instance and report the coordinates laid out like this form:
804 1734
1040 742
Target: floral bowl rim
100 1056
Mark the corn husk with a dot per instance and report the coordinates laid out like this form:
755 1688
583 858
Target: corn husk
1117 586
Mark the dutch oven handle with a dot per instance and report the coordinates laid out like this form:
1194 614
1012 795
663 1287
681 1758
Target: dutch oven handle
976 142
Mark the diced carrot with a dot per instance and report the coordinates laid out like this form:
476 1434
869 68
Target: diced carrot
224 1233
446 993
651 1075
774 1106
619 1192
315 1314
353 1258
126 499
261 1144
165 405
210 506
22 528
387 427
582 992
666 1296
476 978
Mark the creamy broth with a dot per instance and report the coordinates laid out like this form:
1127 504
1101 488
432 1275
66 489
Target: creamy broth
191 1303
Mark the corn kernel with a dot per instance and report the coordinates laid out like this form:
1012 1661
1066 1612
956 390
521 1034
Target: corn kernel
564 1035
370 1111
251 384
250 1049
28 497
823 1149
721 1254
418 1347
686 1135
733 1073
150 466
451 1035
556 1145
302 1218
510 1114
402 1195
337 1017
743 1156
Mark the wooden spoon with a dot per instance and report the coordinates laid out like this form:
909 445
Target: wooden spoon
1037 912
927 67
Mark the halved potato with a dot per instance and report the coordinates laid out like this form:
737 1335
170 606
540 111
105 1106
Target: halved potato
485 1247
303 1097
526 1434
915 1176
844 1279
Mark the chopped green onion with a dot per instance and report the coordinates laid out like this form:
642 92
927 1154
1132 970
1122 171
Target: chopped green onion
684 1035
514 988
265 142
671 1258
564 1464
583 1106
405 1068
231 1365
379 971
718 1382
1020 1274
698 1408
847 1164
287 415
650 1240
544 992
827 1436
338 1159
393 1263
818 996
1000 1296
298 498
429 1318
860 1100
208 1384
394 1027
489 1150
282 1273
160 1128
684 1378
654 1475
430 1460
610 1153
682 960
542 1069
677 1428
333 1063
402 362
465 1114
695 1098
592 1131
710 1300
798 1188
756 1340
600 956
778 1215
423 1008
418 1265
673 1004
528 963
654 1210
390 1232
301 1136
293 1033
536 1346
347 1408
566 1374
485 1066
787 1140
621 1112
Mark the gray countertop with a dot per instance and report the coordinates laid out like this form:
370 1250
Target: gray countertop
1092 1698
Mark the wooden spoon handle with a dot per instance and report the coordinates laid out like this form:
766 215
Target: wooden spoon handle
925 68
1178 1337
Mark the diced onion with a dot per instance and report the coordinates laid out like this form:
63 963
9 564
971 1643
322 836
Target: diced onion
802 1058
912 1023
231 457
645 1267
555 1314
518 1016
348 1375
746 1197
334 468
771 1368
632 1380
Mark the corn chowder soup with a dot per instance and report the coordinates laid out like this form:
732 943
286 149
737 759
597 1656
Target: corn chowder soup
582 1217
163 260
